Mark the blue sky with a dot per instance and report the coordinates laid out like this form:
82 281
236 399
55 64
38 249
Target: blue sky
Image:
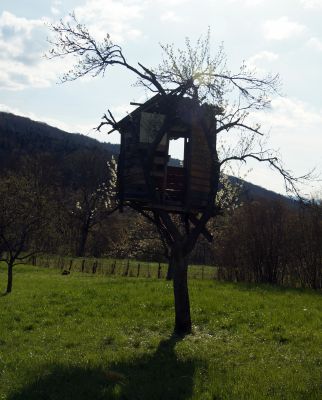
282 37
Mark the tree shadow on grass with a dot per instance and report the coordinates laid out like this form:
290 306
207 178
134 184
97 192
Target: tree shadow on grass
155 377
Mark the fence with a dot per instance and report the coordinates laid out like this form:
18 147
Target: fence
117 267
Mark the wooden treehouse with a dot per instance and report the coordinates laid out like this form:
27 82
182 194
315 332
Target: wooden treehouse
145 177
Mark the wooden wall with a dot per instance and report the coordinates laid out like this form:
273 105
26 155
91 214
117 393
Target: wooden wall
199 168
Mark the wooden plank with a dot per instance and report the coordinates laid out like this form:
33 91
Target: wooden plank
204 175
133 172
158 173
160 160
197 189
128 180
200 166
200 159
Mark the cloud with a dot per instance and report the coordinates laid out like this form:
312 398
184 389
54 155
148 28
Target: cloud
294 113
311 3
170 16
261 60
55 7
115 17
282 28
296 129
315 43
248 3
22 45
18 33
296 133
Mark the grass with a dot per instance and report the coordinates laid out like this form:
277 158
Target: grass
91 337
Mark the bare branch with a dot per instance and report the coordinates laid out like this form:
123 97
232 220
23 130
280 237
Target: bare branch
92 57
275 163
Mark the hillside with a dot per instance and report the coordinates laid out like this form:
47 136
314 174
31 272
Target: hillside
21 136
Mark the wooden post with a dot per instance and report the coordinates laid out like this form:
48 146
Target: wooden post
83 265
61 263
126 272
113 268
159 271
202 272
70 265
138 273
94 267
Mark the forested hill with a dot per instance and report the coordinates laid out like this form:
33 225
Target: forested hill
21 136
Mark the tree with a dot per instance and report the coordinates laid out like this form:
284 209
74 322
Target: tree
22 214
227 100
92 197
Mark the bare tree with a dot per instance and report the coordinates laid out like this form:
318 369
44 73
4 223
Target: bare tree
92 197
23 209
226 99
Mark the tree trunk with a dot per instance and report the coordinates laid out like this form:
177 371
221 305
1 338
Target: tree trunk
169 276
9 284
181 294
83 239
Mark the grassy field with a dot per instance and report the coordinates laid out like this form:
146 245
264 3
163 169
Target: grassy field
85 336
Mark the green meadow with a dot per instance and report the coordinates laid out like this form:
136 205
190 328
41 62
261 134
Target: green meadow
85 336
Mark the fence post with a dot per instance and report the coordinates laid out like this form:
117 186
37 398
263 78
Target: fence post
113 268
70 265
202 272
159 271
138 273
83 265
94 267
61 263
127 268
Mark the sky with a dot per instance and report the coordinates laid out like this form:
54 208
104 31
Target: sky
272 36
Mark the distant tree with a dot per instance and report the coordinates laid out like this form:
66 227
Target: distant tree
304 248
22 214
253 244
227 99
92 195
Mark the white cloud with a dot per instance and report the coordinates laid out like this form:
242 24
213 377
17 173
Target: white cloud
248 3
315 43
296 129
311 3
296 133
282 28
55 8
22 45
169 3
170 16
288 115
261 60
115 17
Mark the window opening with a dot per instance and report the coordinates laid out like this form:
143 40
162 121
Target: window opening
175 180
176 152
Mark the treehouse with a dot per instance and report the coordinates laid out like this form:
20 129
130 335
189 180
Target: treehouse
146 176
